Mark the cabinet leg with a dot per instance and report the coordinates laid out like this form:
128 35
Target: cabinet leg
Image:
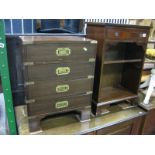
34 124
84 115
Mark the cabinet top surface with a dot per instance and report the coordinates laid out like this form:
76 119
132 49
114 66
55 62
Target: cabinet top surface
118 25
51 39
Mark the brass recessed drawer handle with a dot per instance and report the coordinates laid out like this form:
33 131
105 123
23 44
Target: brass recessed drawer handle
62 71
62 88
61 104
63 51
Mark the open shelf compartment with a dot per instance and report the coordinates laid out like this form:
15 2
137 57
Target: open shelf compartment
123 53
112 95
119 82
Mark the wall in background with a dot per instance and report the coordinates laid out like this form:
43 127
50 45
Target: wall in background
19 26
28 26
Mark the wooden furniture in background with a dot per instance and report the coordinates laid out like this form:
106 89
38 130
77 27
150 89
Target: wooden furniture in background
130 127
120 57
149 121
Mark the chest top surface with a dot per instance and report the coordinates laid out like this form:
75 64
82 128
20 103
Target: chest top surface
53 39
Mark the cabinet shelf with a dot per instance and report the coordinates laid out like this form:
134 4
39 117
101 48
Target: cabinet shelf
122 61
113 95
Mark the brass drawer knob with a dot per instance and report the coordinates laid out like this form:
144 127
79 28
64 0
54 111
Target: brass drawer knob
116 34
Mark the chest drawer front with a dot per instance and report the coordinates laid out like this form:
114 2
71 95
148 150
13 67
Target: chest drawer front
59 52
58 71
58 88
126 34
49 105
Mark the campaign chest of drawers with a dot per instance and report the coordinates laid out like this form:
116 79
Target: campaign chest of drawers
119 63
52 74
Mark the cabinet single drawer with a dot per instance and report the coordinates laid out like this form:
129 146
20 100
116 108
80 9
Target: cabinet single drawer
126 34
58 71
60 51
50 105
38 89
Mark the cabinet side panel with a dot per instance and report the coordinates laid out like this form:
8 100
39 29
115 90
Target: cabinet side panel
14 48
97 33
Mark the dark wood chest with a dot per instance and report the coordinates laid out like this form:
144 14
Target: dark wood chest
56 73
120 57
